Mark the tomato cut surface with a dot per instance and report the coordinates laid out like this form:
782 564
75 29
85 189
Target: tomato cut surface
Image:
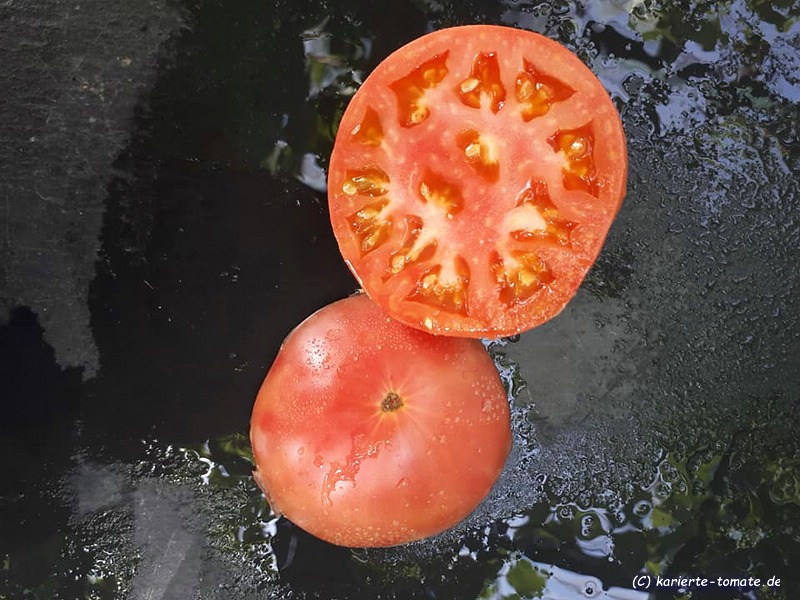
367 432
474 178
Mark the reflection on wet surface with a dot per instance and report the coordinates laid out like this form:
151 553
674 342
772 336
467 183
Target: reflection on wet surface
655 419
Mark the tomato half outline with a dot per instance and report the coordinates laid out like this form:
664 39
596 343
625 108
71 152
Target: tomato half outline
474 178
370 433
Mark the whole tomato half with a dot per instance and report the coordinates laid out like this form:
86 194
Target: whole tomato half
367 432
474 177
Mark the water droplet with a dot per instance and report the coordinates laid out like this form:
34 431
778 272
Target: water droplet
642 508
586 525
663 490
591 589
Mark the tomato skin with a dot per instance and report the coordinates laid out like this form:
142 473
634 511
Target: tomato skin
337 455
475 175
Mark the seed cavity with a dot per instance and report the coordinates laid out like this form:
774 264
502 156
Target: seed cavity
557 230
537 92
369 181
370 131
481 153
410 90
435 190
483 84
370 226
414 248
520 277
577 147
447 294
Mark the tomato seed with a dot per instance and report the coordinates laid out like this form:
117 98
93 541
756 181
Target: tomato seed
469 85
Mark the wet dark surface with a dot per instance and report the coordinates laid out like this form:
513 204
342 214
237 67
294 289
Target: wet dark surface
164 225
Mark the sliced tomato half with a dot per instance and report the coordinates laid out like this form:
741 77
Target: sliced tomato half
474 178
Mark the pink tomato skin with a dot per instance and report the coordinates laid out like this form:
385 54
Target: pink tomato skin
367 432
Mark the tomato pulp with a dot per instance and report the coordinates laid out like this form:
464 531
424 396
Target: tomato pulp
474 178
367 432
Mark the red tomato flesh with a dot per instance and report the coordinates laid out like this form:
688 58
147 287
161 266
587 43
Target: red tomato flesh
367 432
474 179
